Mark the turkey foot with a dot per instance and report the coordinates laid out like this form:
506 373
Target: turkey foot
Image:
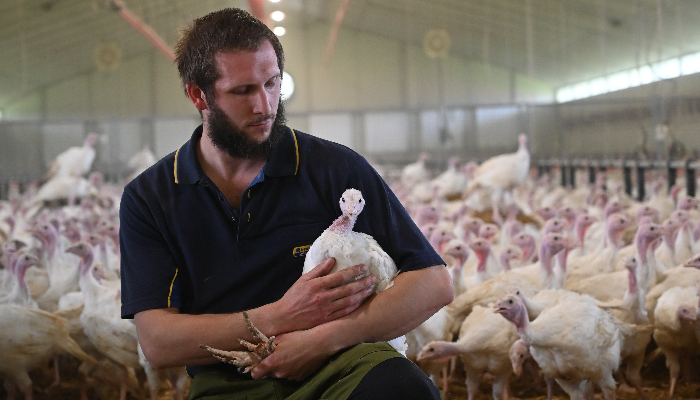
245 360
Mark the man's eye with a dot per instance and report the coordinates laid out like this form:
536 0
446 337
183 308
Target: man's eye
271 83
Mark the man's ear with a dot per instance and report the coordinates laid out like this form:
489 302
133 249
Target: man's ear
196 96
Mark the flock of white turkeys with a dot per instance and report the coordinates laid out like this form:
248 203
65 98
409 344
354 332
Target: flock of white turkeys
60 288
574 282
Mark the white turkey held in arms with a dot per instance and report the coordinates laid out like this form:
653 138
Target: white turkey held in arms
350 248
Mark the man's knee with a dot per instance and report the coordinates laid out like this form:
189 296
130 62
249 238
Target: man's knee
395 378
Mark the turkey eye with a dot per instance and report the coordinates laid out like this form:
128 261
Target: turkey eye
360 200
342 199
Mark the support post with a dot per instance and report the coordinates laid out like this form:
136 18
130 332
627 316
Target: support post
690 182
572 176
640 184
257 8
591 174
145 30
562 170
627 173
333 37
671 177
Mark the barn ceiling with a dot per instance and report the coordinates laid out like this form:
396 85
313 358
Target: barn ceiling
555 41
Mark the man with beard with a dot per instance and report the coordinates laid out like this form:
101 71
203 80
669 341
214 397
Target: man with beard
221 226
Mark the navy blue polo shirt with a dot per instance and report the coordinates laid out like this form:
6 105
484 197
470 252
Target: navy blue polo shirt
183 245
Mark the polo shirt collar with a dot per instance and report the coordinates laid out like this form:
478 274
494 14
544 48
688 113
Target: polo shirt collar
283 161
187 169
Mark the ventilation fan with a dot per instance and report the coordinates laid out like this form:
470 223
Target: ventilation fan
436 43
107 56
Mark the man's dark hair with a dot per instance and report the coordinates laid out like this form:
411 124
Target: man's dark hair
230 29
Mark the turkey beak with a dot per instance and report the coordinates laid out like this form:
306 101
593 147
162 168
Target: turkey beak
73 250
517 369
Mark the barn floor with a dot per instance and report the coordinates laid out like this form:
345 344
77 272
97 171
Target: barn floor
655 385
655 375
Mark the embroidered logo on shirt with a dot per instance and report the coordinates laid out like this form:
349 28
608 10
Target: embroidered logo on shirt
301 250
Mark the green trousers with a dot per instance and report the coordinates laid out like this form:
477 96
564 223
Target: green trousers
334 381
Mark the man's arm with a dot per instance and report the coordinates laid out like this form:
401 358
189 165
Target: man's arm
414 297
169 338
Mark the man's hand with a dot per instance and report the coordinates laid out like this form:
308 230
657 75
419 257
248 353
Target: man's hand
318 297
297 355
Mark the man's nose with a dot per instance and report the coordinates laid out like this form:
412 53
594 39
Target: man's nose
261 103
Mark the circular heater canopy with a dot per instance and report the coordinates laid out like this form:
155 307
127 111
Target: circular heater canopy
436 43
107 56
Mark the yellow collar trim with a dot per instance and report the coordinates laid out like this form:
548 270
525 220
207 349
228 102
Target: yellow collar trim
296 145
175 164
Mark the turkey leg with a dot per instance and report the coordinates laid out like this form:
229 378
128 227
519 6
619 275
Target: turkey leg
245 360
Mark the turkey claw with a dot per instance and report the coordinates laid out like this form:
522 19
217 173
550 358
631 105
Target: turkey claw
245 360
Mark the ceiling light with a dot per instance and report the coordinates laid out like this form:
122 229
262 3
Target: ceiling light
279 31
287 88
277 16
274 1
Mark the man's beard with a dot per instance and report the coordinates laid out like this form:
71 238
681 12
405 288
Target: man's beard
234 142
